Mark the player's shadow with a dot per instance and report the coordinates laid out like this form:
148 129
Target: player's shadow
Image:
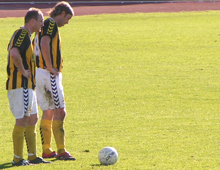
6 165
9 164
52 160
99 165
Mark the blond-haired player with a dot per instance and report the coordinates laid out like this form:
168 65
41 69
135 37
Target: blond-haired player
49 87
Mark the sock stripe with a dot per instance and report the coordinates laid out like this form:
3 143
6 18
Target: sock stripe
25 136
42 137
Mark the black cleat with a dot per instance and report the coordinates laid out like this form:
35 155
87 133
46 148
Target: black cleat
20 163
38 160
65 156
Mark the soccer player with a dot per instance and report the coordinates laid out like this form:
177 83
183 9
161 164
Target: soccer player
49 87
20 87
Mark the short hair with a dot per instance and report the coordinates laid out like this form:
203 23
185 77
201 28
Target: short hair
60 7
32 13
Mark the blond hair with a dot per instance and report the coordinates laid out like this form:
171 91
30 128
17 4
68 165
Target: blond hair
60 7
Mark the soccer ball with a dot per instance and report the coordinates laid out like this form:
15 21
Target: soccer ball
108 156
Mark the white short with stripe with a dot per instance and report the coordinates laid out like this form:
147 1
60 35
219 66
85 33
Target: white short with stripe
49 90
22 102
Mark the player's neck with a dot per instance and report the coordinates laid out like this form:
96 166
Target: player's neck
27 27
56 19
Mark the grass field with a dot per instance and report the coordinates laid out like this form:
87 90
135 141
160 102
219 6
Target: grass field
146 84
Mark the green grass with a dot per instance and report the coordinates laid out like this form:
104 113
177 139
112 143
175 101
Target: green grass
146 84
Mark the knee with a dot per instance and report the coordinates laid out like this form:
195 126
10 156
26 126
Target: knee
60 114
33 119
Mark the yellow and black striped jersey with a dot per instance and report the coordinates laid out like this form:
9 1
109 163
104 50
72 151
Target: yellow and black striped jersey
21 39
50 29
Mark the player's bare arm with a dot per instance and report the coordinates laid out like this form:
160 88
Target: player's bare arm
45 48
16 57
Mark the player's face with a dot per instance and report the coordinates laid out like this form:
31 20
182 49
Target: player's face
39 23
65 20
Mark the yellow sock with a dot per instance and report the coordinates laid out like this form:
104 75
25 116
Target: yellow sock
59 135
18 142
46 135
30 136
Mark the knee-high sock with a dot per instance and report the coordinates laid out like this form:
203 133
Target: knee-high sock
30 136
59 135
46 135
18 142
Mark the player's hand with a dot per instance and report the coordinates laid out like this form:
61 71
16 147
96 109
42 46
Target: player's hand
54 71
27 73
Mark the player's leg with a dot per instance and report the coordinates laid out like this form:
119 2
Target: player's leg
30 136
46 134
30 130
18 109
59 134
45 101
59 117
18 139
58 129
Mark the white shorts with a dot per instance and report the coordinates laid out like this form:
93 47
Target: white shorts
49 90
22 102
